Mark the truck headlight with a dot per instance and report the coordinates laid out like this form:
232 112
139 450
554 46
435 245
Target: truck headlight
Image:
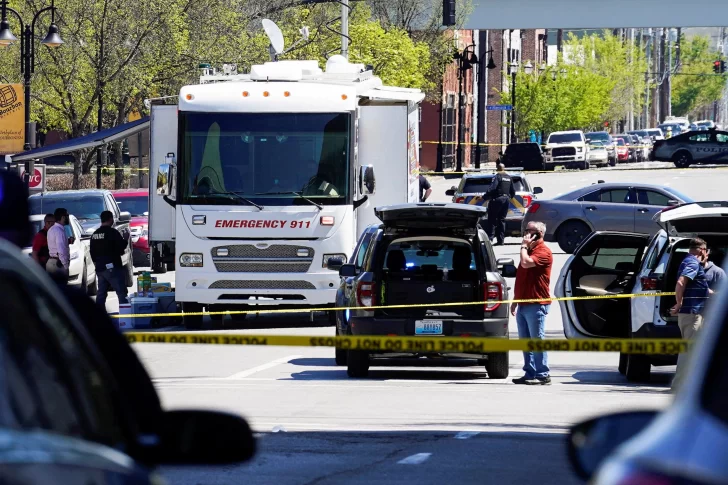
190 260
579 149
325 263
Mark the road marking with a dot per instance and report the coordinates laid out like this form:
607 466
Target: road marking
416 459
269 365
464 435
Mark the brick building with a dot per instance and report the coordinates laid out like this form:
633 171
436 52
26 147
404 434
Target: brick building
439 128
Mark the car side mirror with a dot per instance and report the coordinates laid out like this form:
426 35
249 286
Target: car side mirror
507 267
450 192
367 182
334 263
204 438
673 202
537 190
590 443
347 271
124 216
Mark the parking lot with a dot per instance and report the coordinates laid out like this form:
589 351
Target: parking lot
408 421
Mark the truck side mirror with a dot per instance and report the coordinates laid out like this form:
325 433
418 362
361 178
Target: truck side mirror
367 182
165 180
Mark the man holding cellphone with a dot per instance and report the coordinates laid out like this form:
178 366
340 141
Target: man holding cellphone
532 283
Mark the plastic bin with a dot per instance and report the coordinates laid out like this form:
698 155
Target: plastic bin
141 306
124 322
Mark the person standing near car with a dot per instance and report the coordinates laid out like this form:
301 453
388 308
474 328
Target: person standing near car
691 292
107 247
425 188
713 273
532 283
500 193
59 251
40 242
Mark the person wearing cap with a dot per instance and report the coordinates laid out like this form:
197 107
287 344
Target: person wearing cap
500 193
59 250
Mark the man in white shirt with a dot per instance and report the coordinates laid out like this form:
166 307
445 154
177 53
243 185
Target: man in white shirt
58 249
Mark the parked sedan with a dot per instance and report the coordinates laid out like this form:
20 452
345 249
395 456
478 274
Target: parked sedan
598 154
622 150
696 147
625 207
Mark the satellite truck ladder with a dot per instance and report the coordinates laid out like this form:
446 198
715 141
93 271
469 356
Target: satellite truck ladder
265 180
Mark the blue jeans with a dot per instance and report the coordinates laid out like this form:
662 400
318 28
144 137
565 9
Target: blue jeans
114 278
531 320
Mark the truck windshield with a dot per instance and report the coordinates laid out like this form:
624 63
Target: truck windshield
565 138
268 158
83 207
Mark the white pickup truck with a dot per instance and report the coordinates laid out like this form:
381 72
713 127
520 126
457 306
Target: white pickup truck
567 148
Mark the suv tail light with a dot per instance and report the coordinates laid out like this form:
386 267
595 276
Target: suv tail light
366 293
649 283
459 200
533 208
527 199
492 291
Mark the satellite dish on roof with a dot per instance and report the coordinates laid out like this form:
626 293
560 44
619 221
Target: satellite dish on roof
275 35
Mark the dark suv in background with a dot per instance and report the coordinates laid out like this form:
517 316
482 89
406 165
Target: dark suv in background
527 156
428 254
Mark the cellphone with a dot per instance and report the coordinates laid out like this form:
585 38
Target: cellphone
535 237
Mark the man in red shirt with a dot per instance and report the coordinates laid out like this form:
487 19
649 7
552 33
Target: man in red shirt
532 283
40 241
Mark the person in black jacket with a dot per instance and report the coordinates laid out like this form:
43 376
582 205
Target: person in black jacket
107 246
500 193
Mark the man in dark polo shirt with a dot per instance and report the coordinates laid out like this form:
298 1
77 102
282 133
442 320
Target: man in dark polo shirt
691 292
532 283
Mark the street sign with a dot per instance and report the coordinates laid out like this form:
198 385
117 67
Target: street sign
37 181
499 107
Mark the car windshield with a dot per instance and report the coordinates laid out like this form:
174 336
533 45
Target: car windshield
598 136
265 158
84 207
565 138
479 185
620 142
136 206
678 194
597 145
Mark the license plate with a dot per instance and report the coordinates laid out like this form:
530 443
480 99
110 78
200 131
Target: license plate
428 327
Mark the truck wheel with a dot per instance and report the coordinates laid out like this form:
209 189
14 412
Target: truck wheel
571 234
612 162
340 355
638 368
192 322
159 268
216 319
623 363
357 363
497 365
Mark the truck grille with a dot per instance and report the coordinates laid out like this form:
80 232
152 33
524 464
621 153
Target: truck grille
276 258
263 285
563 152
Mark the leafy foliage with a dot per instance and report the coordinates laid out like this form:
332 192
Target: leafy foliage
696 86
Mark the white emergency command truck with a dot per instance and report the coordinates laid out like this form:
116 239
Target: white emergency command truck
265 181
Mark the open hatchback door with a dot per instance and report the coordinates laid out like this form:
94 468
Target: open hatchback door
697 218
430 216
605 264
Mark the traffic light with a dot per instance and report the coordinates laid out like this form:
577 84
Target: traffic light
448 13
722 67
716 67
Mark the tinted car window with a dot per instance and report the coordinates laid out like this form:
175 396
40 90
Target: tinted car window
606 195
477 185
702 137
598 136
83 207
611 258
650 197
620 142
136 206
565 138
429 253
721 137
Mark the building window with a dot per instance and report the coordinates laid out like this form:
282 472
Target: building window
449 132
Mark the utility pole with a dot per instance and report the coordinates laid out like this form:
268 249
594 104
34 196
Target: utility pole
345 28
668 90
560 40
662 105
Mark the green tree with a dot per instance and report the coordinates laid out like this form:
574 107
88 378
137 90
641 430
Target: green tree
696 86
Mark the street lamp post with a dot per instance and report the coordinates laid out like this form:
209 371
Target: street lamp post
513 71
27 54
466 59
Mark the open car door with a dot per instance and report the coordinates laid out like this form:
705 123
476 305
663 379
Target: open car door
605 264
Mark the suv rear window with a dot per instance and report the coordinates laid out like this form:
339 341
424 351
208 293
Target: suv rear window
478 185
422 254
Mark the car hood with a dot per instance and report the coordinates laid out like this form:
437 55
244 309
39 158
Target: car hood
430 216
694 218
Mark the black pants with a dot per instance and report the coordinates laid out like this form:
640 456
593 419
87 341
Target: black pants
497 212
114 278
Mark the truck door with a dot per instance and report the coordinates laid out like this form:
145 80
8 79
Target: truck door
163 140
605 264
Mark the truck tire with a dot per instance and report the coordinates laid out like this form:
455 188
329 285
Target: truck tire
638 368
159 268
623 363
340 355
191 322
357 363
217 320
497 365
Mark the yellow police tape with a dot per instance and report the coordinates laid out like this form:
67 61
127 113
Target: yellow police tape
470 143
465 345
392 307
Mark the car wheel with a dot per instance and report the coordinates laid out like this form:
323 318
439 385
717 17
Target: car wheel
613 162
682 159
129 273
623 363
583 165
638 368
340 355
357 363
497 365
192 322
571 234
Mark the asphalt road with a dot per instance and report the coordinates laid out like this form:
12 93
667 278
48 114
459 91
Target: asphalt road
424 422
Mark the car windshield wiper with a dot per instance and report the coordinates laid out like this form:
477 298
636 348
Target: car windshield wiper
233 195
300 194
